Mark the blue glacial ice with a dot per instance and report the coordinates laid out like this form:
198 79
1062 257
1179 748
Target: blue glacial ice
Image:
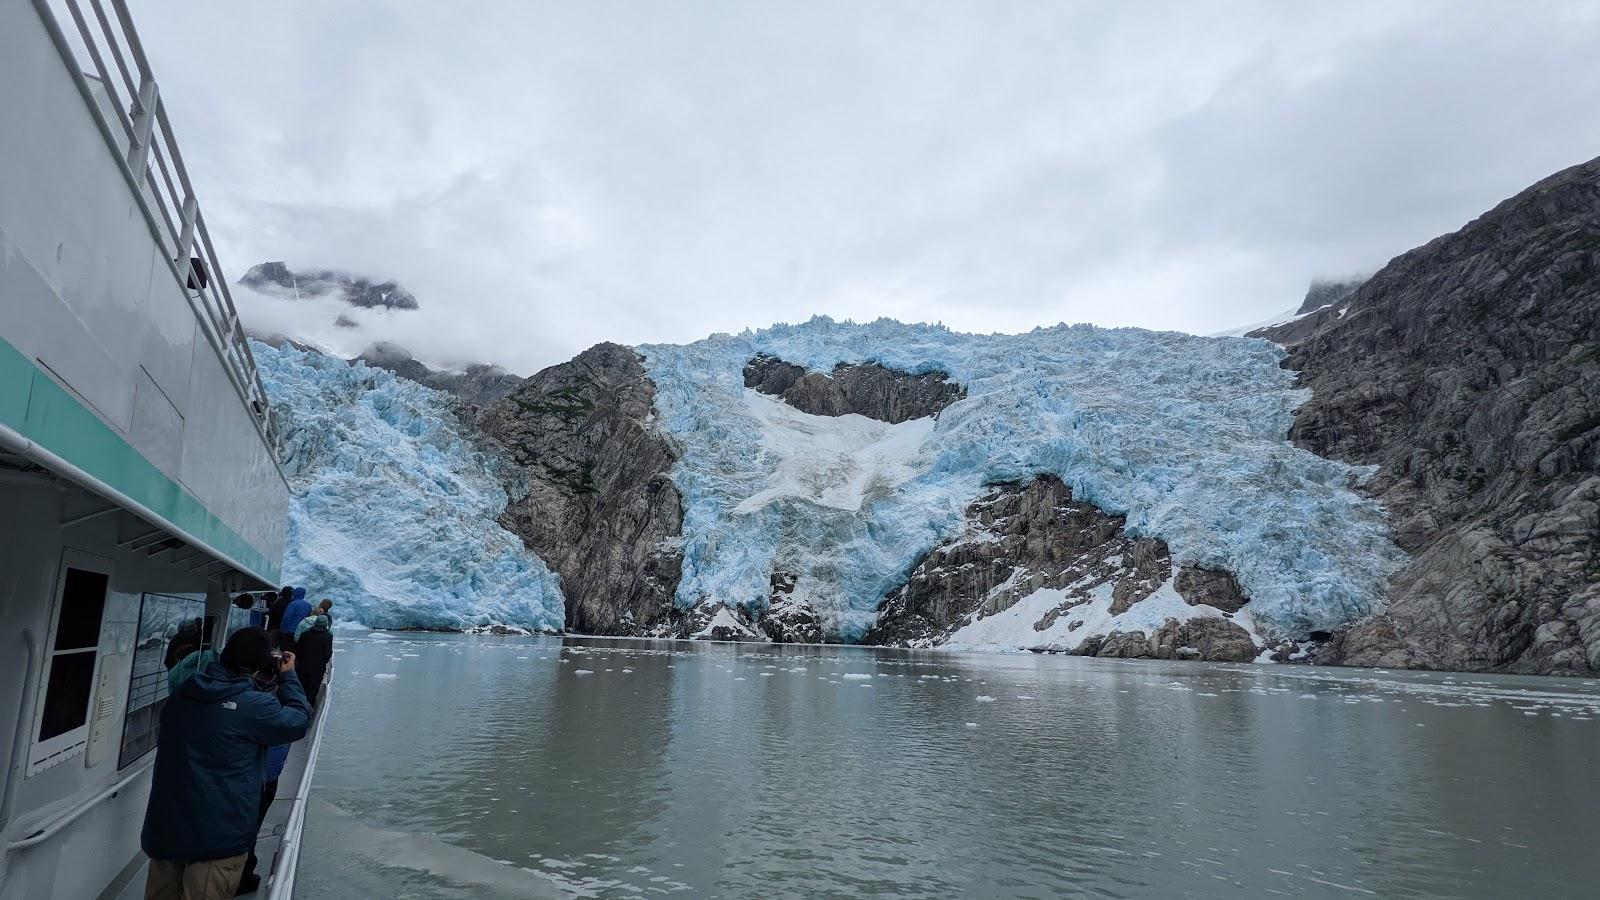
393 513
1183 435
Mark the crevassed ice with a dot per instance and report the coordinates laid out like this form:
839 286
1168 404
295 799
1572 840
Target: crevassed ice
1184 435
393 511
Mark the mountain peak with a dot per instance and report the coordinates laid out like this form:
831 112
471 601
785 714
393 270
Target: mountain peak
278 279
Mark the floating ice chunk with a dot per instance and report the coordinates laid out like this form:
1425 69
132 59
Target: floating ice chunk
583 671
385 676
985 698
856 676
972 724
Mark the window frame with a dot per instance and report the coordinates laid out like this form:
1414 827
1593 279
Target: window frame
128 709
52 752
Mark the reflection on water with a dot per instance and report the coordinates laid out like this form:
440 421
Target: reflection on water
460 766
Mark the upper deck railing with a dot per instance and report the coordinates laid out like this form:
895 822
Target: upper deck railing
140 134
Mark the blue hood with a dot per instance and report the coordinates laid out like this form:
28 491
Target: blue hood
213 683
299 594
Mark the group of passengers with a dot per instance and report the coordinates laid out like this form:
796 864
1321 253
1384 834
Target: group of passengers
226 730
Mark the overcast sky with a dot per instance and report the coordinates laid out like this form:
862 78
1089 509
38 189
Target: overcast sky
546 176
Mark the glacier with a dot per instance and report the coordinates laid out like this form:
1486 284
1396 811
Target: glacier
1183 435
393 508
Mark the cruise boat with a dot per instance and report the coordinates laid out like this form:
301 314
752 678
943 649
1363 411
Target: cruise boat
139 480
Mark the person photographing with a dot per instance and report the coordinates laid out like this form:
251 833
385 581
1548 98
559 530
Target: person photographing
211 760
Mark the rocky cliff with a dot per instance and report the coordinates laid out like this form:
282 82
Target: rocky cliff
1468 372
1034 540
867 389
479 384
1324 293
600 507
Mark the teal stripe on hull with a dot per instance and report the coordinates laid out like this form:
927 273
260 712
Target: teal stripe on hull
43 411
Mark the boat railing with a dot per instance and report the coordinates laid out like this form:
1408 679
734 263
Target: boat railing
107 49
286 861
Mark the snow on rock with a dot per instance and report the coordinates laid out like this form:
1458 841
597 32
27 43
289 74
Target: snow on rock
1183 435
1014 628
393 513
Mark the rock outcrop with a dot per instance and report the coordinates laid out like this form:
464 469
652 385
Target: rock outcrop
1204 639
601 509
1324 294
1211 588
278 279
480 385
868 389
1468 372
787 618
1022 538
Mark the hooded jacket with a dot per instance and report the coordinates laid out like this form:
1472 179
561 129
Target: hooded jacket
317 621
186 667
276 607
297 609
211 761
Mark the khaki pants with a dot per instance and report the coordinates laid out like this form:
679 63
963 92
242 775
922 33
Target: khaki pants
212 879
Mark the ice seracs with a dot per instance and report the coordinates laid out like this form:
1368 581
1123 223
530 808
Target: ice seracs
1181 434
394 508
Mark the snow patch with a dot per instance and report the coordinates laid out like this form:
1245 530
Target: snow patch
1011 629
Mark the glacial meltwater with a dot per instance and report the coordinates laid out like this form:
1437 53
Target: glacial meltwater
480 766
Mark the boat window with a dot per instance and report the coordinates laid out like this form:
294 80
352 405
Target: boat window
161 618
70 662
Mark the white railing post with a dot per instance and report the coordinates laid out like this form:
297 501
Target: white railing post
191 210
143 112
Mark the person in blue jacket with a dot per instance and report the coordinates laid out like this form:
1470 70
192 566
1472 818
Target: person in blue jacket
211 765
297 609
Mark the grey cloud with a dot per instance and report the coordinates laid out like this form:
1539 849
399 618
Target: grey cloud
545 176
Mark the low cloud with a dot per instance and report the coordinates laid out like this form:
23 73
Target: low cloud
546 176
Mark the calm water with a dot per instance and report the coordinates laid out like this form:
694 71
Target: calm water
460 766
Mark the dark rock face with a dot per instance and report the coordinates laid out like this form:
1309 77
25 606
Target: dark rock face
867 389
1468 371
1021 538
1327 293
1025 537
715 622
600 509
1204 639
788 619
1210 588
480 385
277 278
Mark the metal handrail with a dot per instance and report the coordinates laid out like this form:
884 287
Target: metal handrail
287 864
144 123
